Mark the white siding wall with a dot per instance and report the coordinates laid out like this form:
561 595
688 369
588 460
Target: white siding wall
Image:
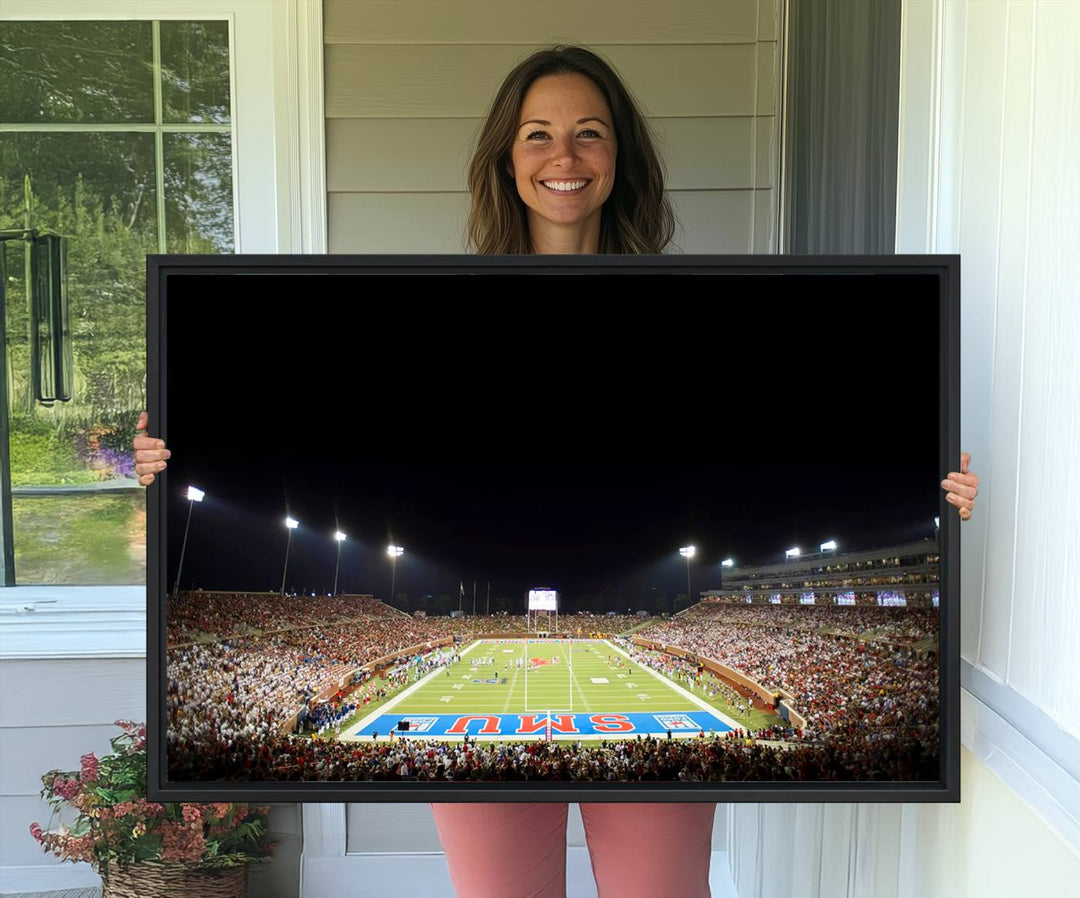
408 83
989 150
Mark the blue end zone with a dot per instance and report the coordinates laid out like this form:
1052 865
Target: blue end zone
534 726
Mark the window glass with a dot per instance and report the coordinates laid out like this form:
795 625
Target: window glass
198 193
78 512
195 72
66 72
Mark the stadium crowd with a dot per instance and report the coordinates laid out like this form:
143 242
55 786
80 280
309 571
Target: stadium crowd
903 755
836 684
230 700
898 625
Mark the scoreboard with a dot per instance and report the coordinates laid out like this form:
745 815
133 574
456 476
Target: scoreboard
543 599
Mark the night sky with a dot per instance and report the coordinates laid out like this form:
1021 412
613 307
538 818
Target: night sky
568 431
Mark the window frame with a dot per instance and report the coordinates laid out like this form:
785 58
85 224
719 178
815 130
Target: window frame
276 96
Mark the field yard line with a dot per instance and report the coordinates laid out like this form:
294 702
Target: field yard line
585 709
404 694
671 684
510 694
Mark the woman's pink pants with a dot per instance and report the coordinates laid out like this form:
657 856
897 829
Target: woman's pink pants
500 850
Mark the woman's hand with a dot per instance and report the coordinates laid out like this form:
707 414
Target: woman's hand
961 487
150 453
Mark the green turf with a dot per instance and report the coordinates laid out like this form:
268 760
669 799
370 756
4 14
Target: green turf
552 687
556 687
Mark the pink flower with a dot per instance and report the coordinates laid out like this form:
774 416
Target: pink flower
36 832
79 848
181 842
89 768
192 813
150 808
66 789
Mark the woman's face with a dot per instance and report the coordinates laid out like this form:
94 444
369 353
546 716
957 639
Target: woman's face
563 155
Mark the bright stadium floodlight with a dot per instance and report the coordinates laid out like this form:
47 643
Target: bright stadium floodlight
340 537
395 552
687 552
194 495
291 525
727 562
792 553
829 546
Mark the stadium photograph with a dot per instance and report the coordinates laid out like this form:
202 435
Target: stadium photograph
540 559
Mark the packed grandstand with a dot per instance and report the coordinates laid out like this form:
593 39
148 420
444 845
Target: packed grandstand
259 688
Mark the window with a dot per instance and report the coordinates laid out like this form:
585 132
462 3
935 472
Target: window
116 135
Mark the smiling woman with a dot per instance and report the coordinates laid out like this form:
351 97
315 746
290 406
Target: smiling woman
565 163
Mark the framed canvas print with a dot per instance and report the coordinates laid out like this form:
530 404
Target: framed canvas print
554 528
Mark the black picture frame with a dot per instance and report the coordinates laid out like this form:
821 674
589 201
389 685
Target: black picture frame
165 276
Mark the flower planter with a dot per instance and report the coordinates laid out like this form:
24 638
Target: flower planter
174 881
146 849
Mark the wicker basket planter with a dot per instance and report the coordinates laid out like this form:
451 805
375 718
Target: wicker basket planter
174 881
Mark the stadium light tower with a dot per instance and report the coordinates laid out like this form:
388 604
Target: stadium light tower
194 495
291 525
687 552
727 562
340 537
792 553
395 552
829 546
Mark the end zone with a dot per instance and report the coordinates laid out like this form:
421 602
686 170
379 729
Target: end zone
554 725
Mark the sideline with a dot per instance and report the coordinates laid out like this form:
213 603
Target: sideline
395 701
671 684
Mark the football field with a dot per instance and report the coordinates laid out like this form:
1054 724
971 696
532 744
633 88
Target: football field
507 689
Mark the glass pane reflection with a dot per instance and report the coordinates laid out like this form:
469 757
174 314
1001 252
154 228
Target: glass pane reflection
81 540
195 72
198 193
63 72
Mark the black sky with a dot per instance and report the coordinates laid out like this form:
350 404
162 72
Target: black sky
570 431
